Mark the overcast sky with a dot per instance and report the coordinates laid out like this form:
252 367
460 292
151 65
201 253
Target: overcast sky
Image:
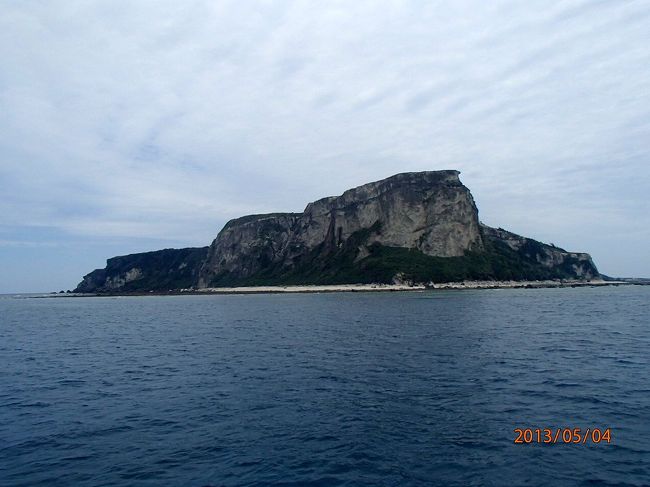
128 126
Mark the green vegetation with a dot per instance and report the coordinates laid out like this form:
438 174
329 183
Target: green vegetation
160 270
497 262
348 262
341 265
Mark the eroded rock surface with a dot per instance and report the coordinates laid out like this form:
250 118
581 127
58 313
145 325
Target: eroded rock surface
432 212
409 228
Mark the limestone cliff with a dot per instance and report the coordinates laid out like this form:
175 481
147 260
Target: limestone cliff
417 227
575 264
161 270
429 211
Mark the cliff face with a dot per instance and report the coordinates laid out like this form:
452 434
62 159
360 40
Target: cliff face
248 245
575 264
419 227
430 211
161 270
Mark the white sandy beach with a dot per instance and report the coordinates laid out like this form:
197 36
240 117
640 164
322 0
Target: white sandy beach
402 287
311 289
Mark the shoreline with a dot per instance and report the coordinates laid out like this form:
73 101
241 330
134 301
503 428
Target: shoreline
337 288
403 287
527 284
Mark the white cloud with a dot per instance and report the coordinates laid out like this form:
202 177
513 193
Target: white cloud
164 119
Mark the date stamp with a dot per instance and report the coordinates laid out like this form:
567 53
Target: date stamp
553 436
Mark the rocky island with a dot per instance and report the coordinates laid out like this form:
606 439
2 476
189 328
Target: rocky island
412 228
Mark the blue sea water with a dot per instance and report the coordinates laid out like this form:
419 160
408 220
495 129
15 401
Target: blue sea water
418 388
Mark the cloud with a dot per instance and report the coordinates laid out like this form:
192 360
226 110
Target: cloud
164 119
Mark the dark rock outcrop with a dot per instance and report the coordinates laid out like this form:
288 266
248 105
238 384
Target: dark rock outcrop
161 270
551 259
416 227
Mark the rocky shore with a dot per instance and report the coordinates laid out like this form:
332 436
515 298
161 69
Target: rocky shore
524 284
405 287
337 288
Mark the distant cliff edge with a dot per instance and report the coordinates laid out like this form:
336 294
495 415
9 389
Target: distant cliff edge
412 227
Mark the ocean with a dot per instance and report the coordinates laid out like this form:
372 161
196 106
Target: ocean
395 389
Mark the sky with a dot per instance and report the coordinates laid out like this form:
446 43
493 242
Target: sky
128 126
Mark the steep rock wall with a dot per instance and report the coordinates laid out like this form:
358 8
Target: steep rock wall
432 212
578 265
160 270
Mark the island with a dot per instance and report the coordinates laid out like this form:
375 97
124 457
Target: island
416 229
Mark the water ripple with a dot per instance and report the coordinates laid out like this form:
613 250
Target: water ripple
330 389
